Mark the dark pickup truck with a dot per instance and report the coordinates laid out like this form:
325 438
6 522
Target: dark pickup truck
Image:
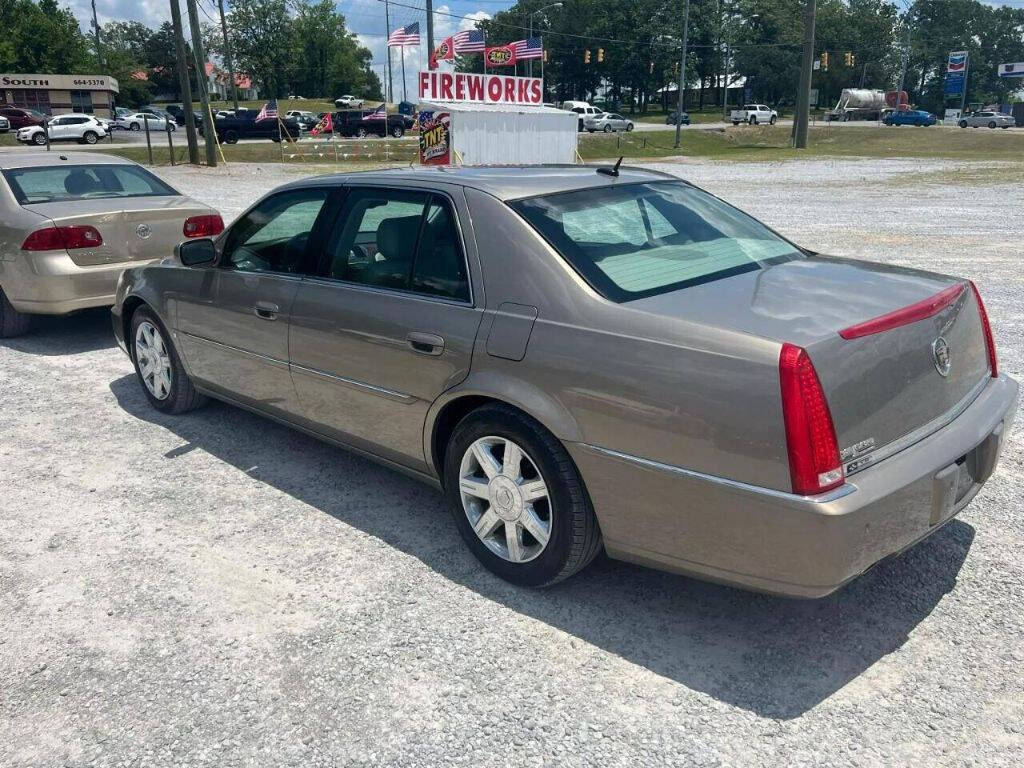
351 122
245 126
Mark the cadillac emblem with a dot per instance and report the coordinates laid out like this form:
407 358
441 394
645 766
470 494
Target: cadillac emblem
940 354
143 231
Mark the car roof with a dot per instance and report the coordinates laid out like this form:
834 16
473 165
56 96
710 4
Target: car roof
504 182
42 159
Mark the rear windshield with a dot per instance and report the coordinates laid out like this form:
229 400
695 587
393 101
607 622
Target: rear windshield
44 184
639 240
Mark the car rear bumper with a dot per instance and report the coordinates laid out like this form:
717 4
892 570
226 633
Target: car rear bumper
51 283
762 539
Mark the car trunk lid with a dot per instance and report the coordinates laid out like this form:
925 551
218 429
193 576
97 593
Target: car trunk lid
883 382
133 229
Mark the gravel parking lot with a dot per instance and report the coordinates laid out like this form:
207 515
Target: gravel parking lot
214 589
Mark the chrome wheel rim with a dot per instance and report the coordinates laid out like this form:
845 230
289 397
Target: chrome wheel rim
505 499
153 359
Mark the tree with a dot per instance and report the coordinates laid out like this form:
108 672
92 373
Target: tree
42 37
263 42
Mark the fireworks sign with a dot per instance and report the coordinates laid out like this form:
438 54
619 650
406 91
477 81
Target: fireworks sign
435 138
435 86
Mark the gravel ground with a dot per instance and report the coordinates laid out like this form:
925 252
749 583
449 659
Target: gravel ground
215 589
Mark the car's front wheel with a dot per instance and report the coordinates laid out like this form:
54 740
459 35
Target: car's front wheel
518 499
991 123
12 322
39 139
135 127
772 119
164 381
398 131
361 132
89 137
607 128
962 123
629 127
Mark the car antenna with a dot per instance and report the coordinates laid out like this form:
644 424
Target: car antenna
613 171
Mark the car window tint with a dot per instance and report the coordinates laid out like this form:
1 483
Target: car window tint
78 182
273 236
439 267
638 240
376 237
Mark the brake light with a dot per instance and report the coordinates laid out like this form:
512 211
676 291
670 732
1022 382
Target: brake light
207 225
986 329
814 464
910 314
57 238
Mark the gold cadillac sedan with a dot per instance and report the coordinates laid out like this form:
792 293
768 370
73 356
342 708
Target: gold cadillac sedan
70 224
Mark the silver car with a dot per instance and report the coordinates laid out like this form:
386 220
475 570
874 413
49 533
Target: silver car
69 224
987 119
590 359
608 122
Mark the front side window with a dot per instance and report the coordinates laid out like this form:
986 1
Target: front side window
638 240
400 239
273 236
80 182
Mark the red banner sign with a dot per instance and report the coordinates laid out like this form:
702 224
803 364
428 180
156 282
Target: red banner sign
484 89
500 56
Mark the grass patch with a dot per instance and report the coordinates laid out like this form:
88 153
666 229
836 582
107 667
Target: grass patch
759 143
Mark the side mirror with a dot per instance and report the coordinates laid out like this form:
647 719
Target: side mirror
196 253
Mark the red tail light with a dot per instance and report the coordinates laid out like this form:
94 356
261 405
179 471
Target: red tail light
987 330
58 238
206 225
919 311
814 464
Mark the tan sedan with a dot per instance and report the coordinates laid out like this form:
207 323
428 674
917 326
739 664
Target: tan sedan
71 223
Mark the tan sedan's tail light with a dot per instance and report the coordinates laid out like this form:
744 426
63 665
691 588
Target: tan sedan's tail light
57 238
990 343
814 464
206 225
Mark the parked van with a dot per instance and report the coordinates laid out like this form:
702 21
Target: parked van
583 109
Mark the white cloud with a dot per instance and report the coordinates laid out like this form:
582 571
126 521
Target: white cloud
472 18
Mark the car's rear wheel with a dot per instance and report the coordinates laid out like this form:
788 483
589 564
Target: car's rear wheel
607 128
164 381
39 139
135 127
89 137
753 120
398 131
518 499
991 123
361 132
231 137
12 322
962 123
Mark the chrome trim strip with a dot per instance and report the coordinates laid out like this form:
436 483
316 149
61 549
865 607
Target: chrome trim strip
272 360
919 434
388 393
844 490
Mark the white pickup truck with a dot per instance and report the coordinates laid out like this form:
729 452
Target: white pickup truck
753 114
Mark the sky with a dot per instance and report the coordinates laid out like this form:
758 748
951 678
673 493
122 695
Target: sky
363 17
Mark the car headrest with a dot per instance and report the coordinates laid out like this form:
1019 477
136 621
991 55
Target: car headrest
396 237
79 182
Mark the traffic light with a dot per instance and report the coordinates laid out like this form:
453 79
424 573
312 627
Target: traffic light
824 60
849 59
600 54
650 69
586 56
545 56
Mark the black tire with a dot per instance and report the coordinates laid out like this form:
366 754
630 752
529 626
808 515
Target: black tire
991 123
182 396
12 322
398 131
735 122
231 137
575 536
89 137
361 132
607 128
135 127
772 120
963 123
39 139
753 120
1004 127
629 127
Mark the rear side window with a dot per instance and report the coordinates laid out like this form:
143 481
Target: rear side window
638 240
46 184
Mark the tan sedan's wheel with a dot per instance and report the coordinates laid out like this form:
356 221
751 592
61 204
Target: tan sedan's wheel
518 499
163 378
12 322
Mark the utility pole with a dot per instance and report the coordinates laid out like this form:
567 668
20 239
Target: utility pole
430 32
390 93
803 97
184 85
227 55
96 30
682 74
210 133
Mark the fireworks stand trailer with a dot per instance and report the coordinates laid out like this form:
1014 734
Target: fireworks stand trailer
472 133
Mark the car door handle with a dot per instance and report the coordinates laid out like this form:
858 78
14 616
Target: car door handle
425 343
266 310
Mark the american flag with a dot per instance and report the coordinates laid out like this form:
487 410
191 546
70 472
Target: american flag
530 48
408 35
269 111
469 41
380 113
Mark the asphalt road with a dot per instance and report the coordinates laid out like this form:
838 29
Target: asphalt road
214 589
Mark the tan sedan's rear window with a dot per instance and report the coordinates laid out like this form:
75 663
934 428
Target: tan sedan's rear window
637 240
57 183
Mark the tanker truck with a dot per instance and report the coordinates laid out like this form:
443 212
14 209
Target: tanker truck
858 104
